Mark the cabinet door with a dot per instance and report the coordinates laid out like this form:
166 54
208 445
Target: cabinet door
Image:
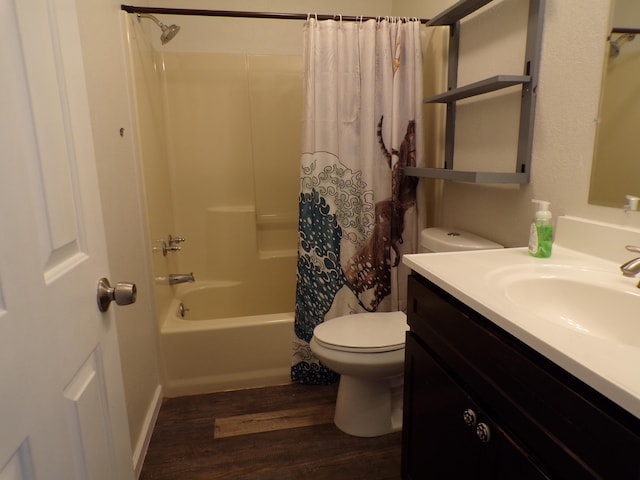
437 441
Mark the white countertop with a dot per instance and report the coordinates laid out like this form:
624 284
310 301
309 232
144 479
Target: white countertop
611 367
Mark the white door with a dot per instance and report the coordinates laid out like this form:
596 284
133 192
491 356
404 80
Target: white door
62 410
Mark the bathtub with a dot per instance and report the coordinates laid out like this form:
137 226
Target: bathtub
207 350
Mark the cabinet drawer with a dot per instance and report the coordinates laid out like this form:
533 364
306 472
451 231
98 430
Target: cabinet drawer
572 430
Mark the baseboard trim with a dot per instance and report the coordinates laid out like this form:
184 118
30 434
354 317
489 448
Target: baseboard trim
145 436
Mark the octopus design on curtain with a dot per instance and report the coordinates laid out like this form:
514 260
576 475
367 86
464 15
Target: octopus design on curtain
362 126
370 267
320 275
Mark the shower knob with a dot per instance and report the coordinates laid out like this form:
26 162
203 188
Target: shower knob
173 240
122 294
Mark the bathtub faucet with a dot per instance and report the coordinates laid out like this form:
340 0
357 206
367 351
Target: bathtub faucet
175 278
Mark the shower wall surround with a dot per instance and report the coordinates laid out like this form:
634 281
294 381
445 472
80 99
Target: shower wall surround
146 69
220 146
233 127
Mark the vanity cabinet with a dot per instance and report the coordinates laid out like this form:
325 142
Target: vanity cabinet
480 404
452 436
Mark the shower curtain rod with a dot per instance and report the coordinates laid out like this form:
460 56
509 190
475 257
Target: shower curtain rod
241 14
625 30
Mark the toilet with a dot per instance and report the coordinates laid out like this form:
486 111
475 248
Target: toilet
367 350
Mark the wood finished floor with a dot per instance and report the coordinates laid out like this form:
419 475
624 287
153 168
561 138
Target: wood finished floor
272 433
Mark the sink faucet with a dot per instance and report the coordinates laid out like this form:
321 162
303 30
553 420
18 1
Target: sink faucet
175 278
632 267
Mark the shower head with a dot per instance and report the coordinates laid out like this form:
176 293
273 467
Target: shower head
168 31
616 45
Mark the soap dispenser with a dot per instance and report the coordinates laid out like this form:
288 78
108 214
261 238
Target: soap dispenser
541 231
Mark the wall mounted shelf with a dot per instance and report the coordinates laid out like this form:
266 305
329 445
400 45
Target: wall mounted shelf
469 177
528 82
478 88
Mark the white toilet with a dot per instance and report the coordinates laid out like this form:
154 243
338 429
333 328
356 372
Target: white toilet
367 350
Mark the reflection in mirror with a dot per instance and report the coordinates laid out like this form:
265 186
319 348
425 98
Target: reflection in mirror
616 164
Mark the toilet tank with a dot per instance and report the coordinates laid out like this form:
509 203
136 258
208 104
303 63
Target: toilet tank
438 239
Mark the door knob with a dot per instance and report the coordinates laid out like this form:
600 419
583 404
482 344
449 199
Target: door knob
123 294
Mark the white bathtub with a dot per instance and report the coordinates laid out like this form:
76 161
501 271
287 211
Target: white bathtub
209 351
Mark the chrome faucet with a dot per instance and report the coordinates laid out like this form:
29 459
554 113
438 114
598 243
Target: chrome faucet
175 278
632 267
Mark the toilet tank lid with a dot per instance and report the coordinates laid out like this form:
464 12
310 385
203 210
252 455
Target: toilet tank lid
439 239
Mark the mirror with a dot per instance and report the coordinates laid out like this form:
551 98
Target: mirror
616 163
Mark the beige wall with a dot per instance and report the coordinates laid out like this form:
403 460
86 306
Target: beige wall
616 168
256 36
616 165
105 66
419 8
152 154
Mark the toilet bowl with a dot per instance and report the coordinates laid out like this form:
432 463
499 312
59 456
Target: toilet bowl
367 350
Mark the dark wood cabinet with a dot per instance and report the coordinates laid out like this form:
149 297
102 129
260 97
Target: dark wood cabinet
454 437
480 404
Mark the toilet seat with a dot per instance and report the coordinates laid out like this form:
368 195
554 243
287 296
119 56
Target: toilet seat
376 332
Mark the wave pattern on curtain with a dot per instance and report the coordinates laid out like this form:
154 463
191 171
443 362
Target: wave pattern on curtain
362 124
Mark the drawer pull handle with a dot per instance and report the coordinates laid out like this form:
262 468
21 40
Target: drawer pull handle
483 432
469 417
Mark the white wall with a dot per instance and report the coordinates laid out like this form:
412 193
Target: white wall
570 77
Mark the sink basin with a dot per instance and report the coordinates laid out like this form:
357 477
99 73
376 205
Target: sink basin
592 303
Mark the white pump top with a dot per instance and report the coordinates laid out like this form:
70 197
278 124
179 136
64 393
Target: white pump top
543 212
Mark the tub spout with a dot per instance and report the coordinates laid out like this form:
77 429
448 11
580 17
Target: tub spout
175 278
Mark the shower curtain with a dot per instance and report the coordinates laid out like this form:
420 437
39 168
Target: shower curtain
362 123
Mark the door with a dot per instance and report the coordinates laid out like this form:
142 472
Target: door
62 410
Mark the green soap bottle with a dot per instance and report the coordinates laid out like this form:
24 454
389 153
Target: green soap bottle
541 231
